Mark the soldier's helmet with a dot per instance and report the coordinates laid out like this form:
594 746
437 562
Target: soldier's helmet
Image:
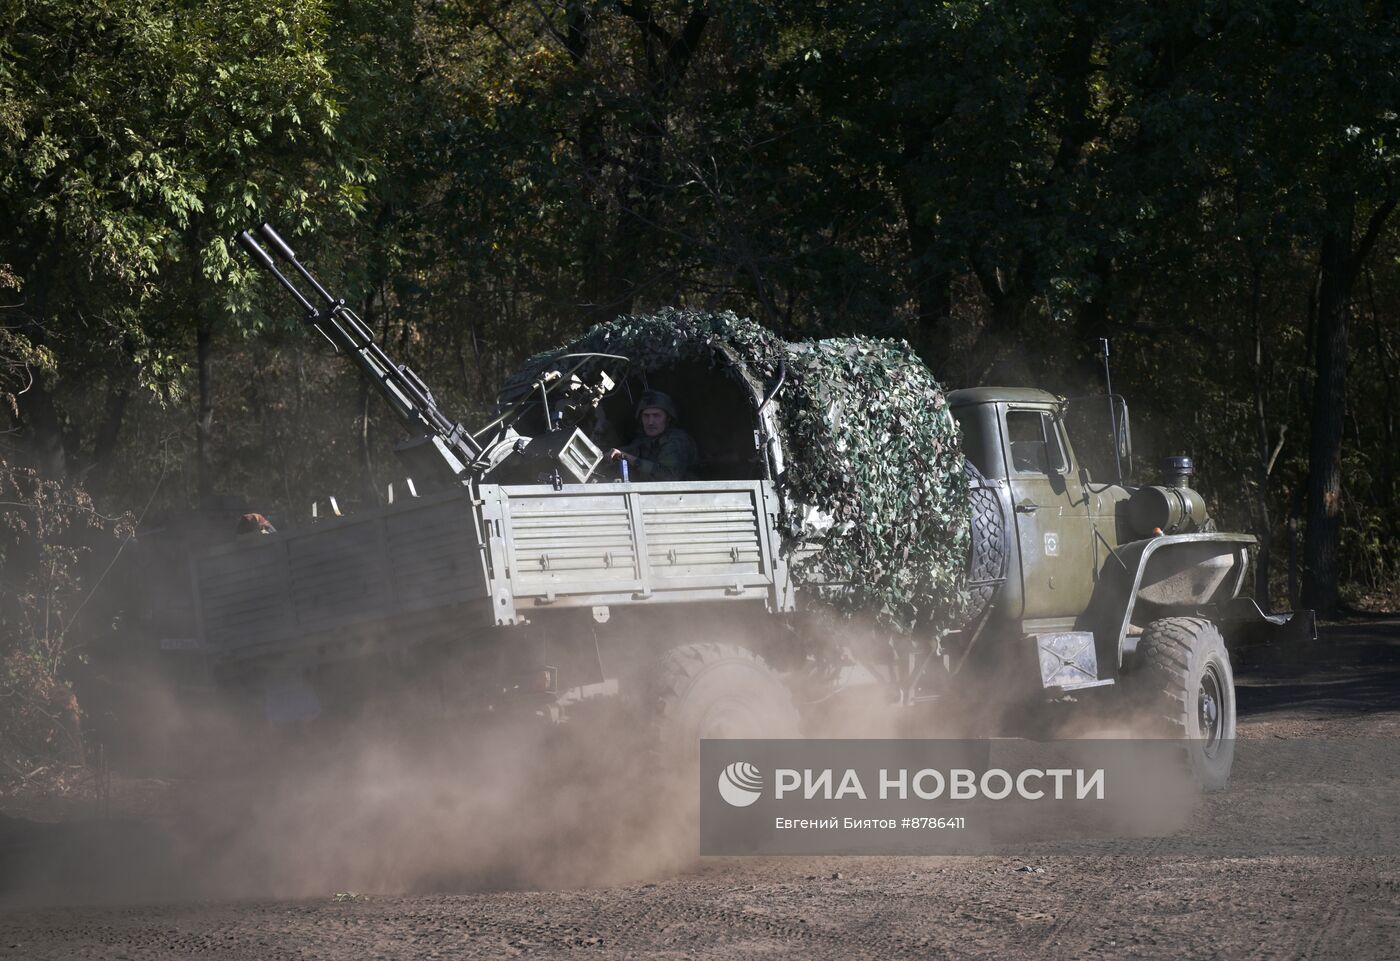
661 401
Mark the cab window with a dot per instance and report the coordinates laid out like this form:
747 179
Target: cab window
1035 443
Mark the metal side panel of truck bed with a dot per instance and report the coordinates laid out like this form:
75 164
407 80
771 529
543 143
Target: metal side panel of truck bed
601 545
421 569
404 564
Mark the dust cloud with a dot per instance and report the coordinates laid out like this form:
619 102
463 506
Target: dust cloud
419 800
404 793
452 804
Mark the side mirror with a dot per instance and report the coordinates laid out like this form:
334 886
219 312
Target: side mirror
1124 440
1100 431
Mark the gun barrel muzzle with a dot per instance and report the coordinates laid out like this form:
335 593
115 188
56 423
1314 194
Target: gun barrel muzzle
278 244
258 254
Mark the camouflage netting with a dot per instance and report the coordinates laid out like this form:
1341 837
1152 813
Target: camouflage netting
874 467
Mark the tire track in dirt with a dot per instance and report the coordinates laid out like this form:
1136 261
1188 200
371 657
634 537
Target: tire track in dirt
972 908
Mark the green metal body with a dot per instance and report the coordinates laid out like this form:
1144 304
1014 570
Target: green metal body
1052 519
1079 560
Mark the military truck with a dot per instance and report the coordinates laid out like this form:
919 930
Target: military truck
517 575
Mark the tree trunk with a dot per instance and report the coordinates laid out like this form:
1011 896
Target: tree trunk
56 449
666 59
593 256
1092 321
933 293
1338 266
1295 511
1264 527
45 429
1324 510
37 413
1001 336
1384 497
104 446
204 417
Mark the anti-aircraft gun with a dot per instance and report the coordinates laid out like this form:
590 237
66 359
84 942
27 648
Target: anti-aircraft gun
834 475
441 451
512 546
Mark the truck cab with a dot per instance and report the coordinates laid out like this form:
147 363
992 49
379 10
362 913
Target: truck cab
1061 522
1108 582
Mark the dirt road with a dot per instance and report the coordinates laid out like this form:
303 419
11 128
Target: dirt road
1137 906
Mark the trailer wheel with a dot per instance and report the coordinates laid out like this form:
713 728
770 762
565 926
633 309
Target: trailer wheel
1186 676
715 690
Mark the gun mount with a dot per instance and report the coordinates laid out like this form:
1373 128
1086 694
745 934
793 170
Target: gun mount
440 450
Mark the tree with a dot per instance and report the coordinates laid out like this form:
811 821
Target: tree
139 135
1334 68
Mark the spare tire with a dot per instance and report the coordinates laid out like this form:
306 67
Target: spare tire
987 557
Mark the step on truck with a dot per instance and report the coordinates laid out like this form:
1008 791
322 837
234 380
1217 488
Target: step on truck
515 572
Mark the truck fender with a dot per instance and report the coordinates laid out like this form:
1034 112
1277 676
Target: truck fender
1164 575
1244 623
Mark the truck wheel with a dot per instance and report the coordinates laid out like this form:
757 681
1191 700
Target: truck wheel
1186 673
715 690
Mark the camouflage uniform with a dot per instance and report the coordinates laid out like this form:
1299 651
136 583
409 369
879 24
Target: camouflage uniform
669 456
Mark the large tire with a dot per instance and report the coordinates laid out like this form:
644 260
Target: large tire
715 690
986 563
1190 690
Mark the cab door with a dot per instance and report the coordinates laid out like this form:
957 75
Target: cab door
1053 529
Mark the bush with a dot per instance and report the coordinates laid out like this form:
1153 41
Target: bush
51 538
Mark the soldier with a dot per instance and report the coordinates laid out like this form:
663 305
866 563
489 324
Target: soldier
663 452
255 524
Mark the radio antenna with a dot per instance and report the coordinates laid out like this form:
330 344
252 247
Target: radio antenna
1112 409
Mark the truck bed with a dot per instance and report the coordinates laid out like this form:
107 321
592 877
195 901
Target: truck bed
613 544
432 566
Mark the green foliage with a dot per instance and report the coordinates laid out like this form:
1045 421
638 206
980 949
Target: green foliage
137 137
20 359
127 122
998 184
